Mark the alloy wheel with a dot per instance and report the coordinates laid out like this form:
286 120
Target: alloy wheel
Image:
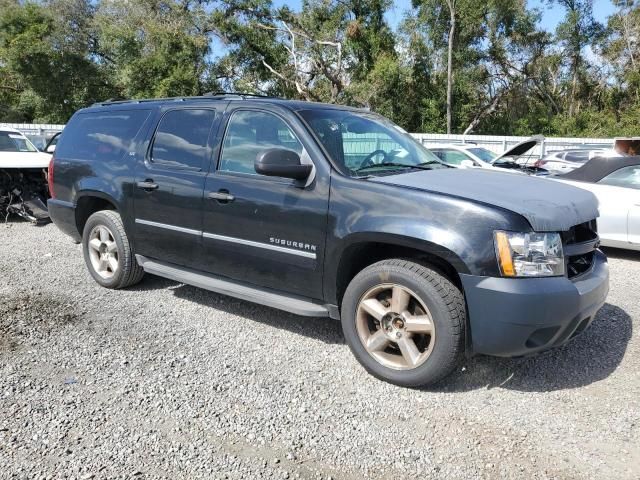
103 252
395 326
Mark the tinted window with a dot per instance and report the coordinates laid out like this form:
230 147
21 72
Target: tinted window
181 138
248 134
101 135
625 177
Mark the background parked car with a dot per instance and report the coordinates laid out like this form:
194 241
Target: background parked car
616 183
466 155
564 161
17 151
50 147
23 180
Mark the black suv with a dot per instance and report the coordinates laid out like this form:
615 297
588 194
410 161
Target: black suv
324 210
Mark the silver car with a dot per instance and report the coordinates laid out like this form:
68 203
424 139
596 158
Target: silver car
565 161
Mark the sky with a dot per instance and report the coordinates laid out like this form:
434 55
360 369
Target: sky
550 15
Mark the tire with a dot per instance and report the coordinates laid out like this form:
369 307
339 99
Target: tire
107 251
432 319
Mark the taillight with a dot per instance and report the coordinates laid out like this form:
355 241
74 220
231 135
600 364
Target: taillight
539 163
50 177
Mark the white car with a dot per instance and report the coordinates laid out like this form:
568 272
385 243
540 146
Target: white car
564 161
469 155
17 151
23 177
463 155
616 183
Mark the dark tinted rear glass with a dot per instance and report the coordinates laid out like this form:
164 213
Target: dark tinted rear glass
104 136
181 138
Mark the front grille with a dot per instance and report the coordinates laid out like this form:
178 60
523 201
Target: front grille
579 244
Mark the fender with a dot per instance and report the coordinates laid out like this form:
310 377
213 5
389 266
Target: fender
455 230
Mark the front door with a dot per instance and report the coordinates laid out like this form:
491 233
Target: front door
169 185
268 231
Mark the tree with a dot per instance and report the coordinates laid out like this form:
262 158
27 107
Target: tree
42 45
575 33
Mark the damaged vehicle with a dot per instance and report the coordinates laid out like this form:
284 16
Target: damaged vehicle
470 155
23 178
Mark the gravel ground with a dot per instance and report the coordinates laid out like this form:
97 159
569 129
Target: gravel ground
167 381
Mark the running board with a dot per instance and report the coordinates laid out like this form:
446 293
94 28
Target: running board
263 296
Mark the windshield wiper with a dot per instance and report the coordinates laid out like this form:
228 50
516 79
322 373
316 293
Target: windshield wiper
431 162
392 164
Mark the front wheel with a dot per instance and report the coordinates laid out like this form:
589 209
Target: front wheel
107 251
404 322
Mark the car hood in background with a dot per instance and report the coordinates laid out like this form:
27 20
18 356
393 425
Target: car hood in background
547 205
519 149
24 160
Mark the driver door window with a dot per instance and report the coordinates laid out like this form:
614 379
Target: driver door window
251 132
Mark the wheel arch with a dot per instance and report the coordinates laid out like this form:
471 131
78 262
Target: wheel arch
90 202
364 250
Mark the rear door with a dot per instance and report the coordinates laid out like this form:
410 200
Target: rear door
267 231
169 184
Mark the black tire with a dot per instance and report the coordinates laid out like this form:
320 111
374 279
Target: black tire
446 306
128 271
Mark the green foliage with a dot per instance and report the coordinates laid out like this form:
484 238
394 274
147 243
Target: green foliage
509 77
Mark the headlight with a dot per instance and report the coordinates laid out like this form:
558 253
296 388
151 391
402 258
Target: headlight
529 254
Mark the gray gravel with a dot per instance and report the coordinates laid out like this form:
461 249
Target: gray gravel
167 381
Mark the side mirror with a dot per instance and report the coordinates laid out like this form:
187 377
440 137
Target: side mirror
467 164
50 149
279 162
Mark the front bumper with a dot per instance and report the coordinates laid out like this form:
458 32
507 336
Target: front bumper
518 316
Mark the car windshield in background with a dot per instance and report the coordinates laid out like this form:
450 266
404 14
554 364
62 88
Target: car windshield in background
483 154
363 144
13 142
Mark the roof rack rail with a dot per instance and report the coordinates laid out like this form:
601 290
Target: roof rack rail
239 94
206 96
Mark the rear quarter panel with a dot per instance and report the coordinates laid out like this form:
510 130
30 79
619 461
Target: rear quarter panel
77 175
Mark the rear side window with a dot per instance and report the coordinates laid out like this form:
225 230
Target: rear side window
181 138
103 136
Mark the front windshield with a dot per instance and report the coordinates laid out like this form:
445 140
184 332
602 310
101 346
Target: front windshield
363 144
483 154
14 142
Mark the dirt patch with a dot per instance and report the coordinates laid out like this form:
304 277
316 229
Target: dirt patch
32 316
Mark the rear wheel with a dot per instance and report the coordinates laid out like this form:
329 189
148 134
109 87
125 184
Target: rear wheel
107 251
404 322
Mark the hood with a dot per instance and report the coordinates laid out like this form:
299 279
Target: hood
520 149
24 160
548 206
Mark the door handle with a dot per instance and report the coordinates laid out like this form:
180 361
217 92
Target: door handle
147 185
222 196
